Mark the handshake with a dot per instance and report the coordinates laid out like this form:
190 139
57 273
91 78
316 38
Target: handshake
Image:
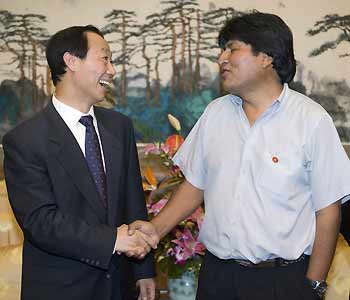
136 239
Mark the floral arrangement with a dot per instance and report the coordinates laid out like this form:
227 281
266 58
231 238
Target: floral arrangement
180 250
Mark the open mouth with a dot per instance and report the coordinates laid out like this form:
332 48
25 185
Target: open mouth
104 83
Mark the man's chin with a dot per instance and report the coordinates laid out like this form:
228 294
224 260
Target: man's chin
228 89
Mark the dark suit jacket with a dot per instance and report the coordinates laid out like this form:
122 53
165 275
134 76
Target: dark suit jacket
68 235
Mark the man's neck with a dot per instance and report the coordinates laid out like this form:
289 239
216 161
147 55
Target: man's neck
70 98
256 102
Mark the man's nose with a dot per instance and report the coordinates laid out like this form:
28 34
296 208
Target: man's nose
223 57
111 69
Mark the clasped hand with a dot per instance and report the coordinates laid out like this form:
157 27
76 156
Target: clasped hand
137 239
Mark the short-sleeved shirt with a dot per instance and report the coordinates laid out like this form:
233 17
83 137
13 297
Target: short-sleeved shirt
264 183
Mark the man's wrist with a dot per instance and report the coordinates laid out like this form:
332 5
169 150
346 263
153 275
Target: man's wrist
115 245
158 227
120 232
319 286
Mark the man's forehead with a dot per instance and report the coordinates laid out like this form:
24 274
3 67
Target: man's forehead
106 50
97 41
233 42
100 49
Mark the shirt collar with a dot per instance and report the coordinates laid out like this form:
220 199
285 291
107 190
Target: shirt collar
70 115
237 100
284 94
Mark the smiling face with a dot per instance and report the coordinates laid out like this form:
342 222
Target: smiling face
95 72
241 70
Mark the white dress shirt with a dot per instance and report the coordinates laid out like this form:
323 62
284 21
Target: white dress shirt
263 183
71 117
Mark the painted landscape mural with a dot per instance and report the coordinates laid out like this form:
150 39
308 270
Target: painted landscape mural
165 55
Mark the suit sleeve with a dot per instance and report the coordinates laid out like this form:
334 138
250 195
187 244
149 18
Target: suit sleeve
44 225
136 206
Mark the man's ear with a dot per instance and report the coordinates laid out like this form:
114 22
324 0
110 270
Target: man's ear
71 61
266 61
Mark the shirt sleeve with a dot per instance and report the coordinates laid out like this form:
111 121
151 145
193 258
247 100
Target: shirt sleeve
329 165
190 157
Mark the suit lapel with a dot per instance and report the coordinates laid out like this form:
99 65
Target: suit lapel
68 153
113 162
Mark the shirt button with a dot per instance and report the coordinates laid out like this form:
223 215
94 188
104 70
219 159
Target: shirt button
108 276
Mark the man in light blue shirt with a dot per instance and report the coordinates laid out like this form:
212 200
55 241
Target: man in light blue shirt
269 165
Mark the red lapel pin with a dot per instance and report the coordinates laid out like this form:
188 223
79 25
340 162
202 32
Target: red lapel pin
275 159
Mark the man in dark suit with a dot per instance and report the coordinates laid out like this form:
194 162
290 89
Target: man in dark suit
73 180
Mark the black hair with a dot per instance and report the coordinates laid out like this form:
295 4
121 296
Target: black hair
73 40
265 33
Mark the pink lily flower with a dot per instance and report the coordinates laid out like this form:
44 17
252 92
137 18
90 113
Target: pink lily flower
188 246
165 148
155 208
197 216
151 148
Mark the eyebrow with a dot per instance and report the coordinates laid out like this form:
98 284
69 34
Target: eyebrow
230 43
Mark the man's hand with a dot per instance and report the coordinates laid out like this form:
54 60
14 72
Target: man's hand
131 245
147 231
147 288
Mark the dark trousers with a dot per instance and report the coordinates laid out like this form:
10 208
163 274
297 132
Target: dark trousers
227 280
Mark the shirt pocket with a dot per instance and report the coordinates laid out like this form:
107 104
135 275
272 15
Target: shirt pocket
279 173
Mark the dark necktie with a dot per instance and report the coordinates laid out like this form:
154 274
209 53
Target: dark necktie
94 158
